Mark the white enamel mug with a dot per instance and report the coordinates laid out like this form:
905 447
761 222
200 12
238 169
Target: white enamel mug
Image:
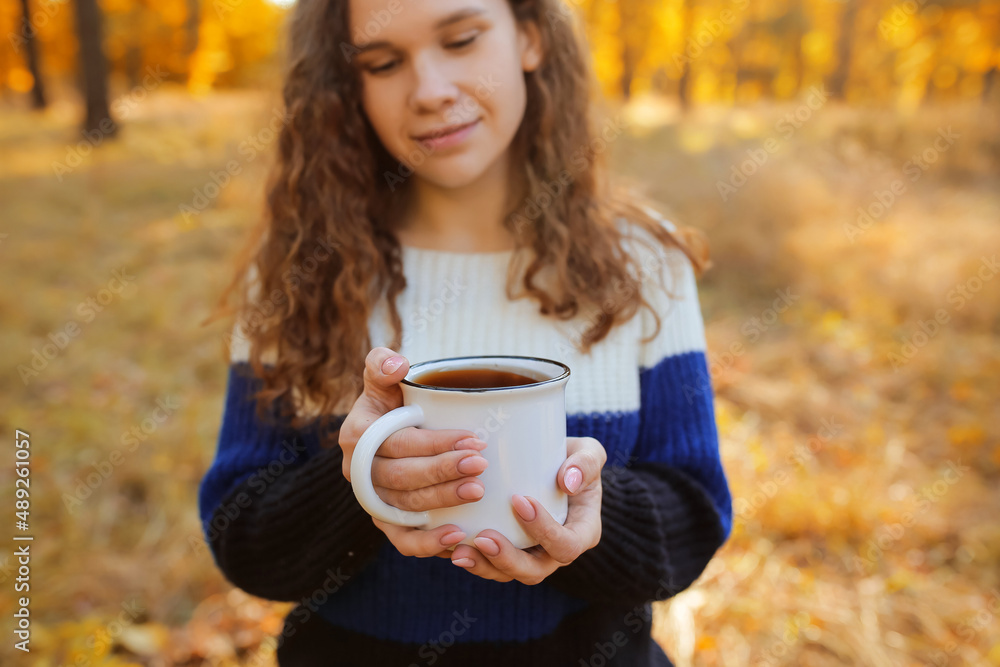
524 428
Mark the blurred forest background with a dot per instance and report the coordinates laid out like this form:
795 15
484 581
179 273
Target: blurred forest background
843 158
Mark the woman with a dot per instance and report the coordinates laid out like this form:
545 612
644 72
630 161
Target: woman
438 194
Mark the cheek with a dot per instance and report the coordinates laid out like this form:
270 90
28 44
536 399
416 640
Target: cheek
383 112
506 102
500 87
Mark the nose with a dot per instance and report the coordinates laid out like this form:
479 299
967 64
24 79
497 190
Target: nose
433 87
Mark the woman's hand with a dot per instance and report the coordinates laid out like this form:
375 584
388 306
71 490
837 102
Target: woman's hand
497 559
415 469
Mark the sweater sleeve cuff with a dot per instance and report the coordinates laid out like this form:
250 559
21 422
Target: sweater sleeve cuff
659 531
284 539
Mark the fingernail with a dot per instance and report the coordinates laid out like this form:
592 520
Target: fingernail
472 465
470 491
464 562
523 507
454 537
487 545
573 479
470 443
391 365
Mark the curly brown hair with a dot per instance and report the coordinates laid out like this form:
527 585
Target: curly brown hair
325 251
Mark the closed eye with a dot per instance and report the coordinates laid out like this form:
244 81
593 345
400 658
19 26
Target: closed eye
463 43
455 46
382 68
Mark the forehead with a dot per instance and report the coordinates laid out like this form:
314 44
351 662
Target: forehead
392 20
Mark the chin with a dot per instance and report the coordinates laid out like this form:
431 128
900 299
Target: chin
454 174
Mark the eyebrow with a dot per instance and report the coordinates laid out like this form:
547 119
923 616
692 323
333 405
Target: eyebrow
454 17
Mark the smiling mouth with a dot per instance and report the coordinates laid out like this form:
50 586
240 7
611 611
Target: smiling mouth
445 133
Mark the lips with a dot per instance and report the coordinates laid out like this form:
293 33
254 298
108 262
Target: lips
443 132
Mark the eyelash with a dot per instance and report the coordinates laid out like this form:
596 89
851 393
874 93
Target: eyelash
454 45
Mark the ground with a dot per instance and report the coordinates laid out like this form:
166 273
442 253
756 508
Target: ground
853 356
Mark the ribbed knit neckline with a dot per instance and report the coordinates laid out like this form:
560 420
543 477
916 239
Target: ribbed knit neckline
451 254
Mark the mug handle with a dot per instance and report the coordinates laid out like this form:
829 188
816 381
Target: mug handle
364 456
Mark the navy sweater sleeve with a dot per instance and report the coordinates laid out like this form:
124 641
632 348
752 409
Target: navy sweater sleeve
659 531
665 513
281 519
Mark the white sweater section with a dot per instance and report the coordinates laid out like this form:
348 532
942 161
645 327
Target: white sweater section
455 305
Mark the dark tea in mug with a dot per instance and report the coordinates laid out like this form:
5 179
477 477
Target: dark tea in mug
474 378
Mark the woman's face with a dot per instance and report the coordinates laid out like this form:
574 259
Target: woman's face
432 65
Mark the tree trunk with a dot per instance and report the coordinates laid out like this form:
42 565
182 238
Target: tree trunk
94 68
683 84
191 27
845 50
31 55
636 18
799 23
737 46
628 71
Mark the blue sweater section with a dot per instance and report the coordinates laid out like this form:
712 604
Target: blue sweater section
678 425
247 446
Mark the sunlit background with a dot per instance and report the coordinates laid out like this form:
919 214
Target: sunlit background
843 159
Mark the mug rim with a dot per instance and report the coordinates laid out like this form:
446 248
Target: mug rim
466 390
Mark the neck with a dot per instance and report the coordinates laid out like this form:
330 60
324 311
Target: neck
464 219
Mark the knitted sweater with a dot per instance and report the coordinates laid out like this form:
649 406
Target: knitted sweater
284 524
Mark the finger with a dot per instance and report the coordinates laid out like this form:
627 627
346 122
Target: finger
475 562
528 567
411 441
582 468
381 394
383 371
416 472
564 543
448 494
584 516
421 543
